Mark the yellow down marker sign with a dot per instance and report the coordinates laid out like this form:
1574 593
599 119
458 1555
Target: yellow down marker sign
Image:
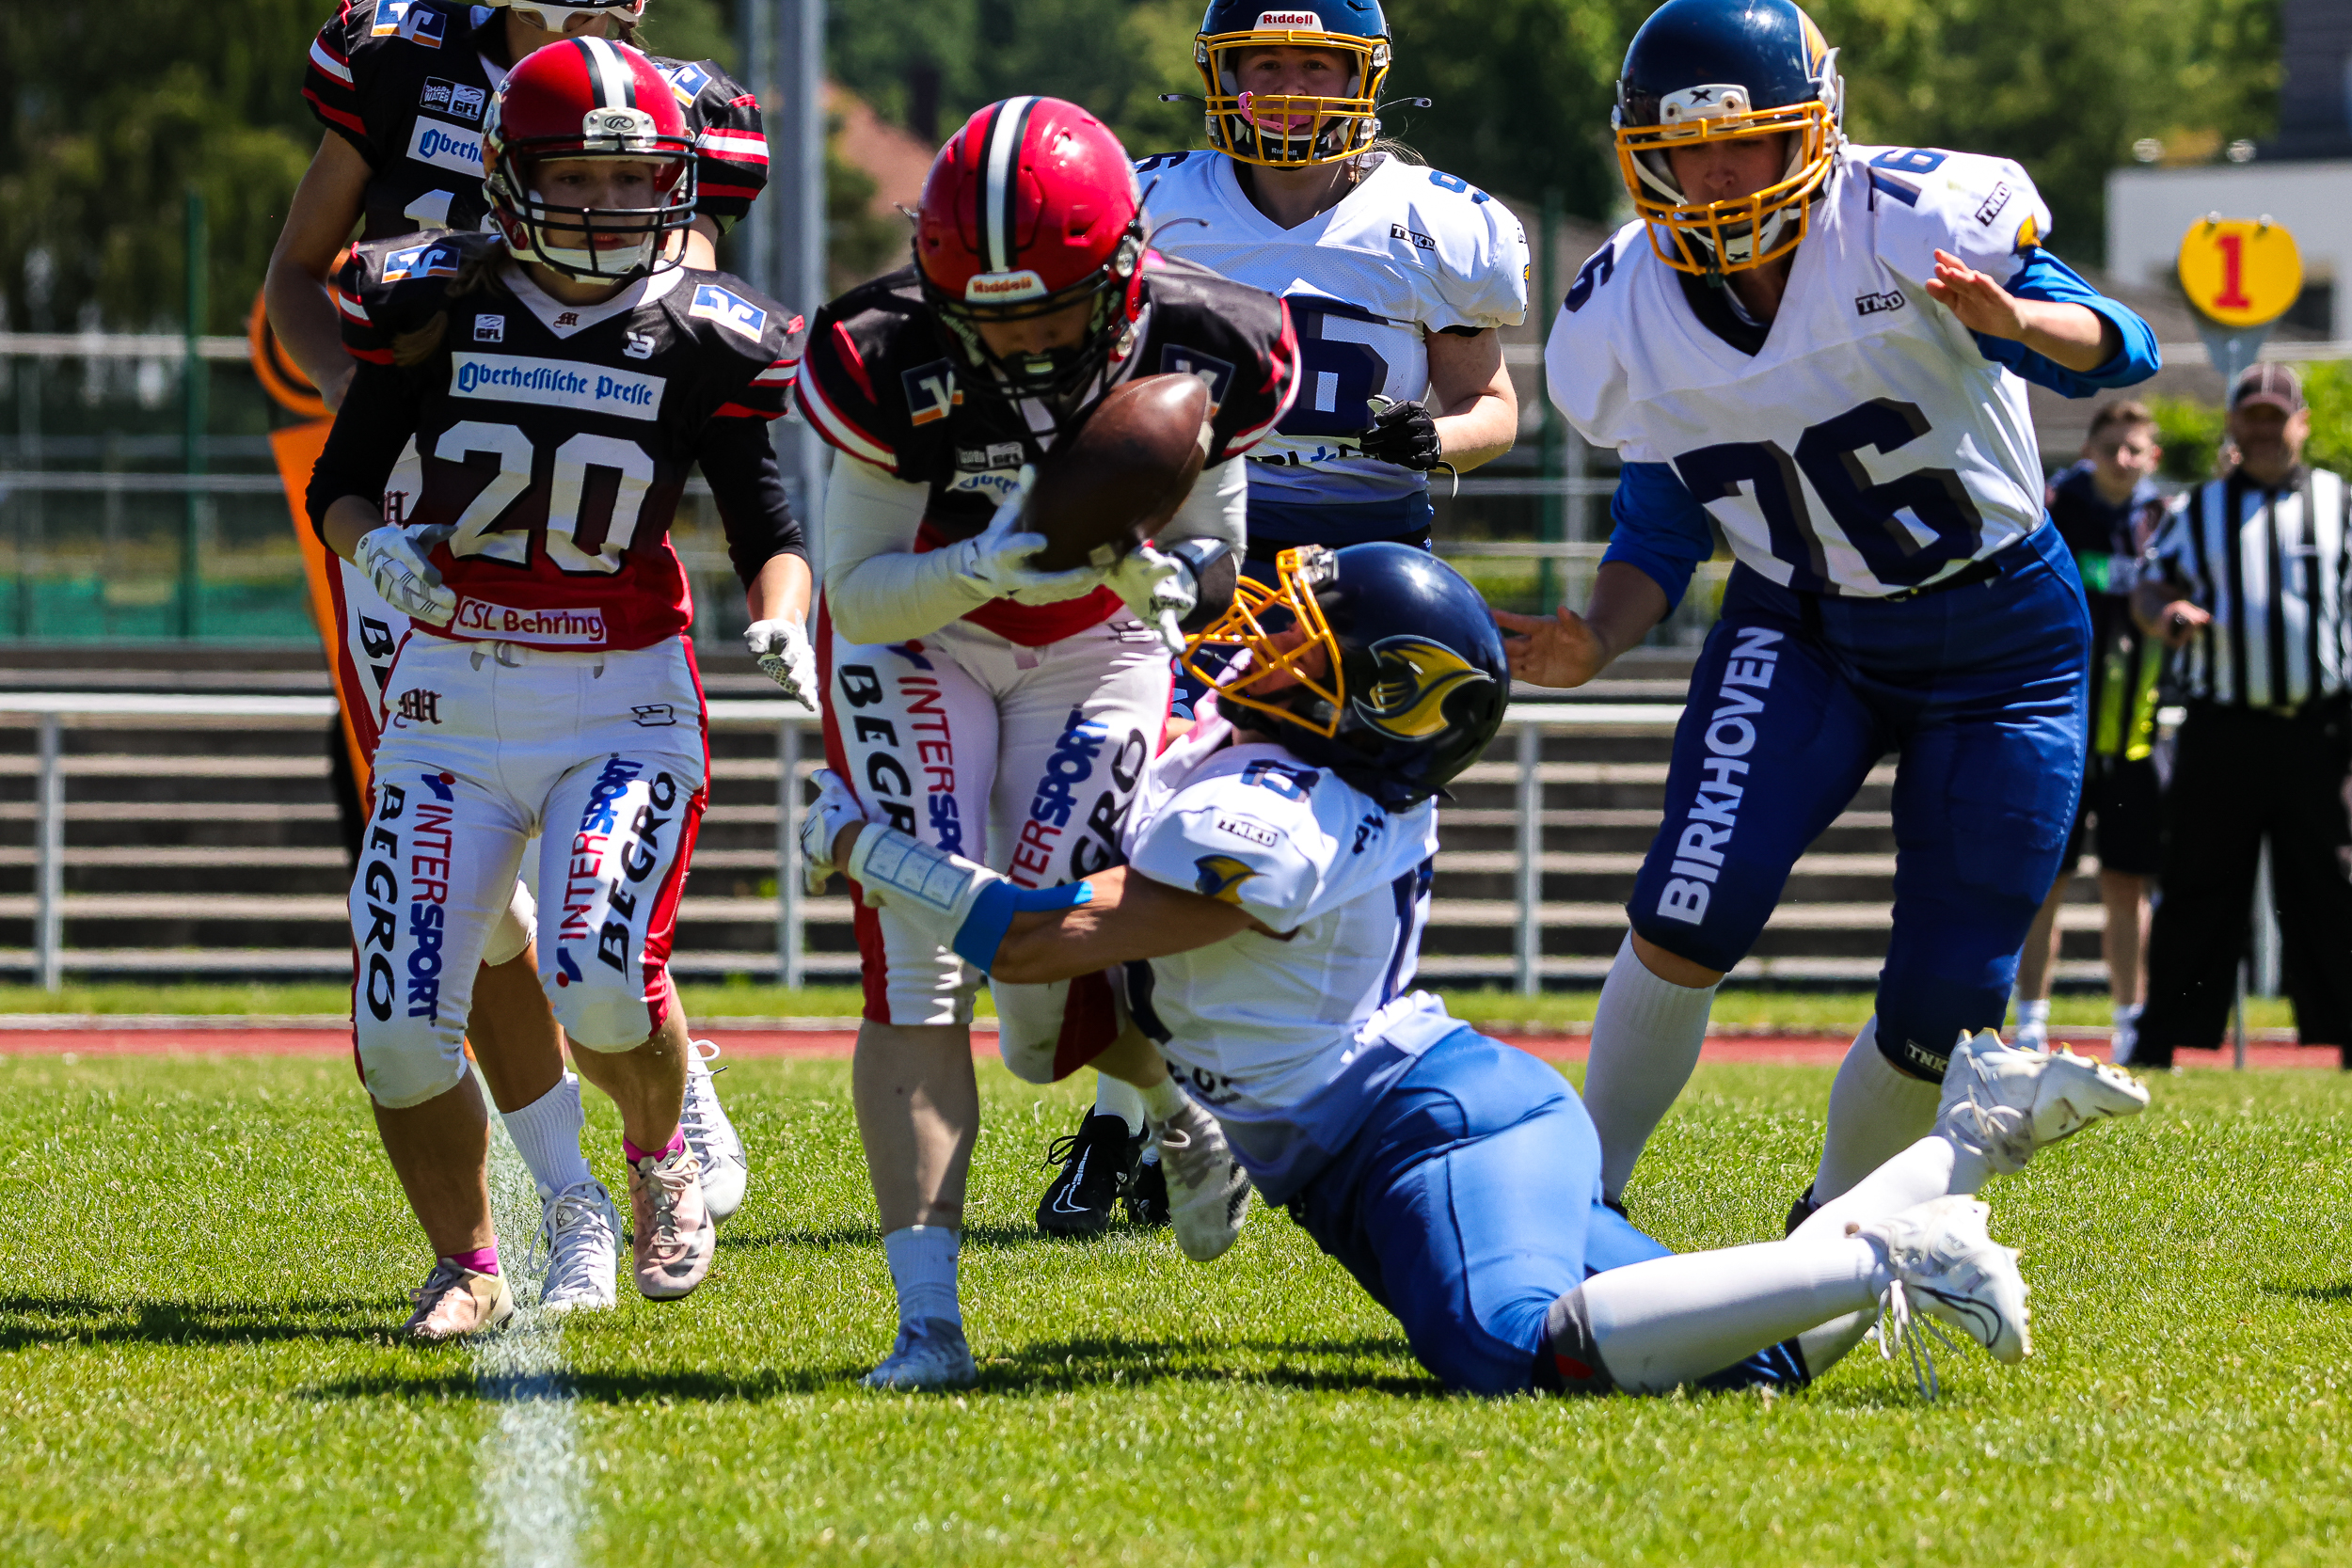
2240 272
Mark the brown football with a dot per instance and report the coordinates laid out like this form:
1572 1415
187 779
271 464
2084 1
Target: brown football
1123 473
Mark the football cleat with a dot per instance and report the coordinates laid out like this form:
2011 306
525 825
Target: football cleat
1098 1163
929 1354
1946 1266
1147 1195
2004 1103
704 1122
580 1236
455 1301
1208 1192
669 1235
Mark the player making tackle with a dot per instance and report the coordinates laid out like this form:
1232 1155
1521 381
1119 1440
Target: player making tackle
560 376
401 94
1268 918
1397 277
1822 351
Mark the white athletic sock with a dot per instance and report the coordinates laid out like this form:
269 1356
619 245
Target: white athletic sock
1646 1034
547 1135
923 1267
1933 1167
1875 1112
1113 1098
1672 1321
2033 1025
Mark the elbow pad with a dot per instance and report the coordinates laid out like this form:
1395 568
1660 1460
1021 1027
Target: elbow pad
1213 568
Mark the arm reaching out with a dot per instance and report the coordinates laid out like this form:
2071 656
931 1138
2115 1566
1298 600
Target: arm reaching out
1570 649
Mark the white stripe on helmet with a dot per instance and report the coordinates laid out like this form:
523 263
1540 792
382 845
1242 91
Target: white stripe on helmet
996 193
611 77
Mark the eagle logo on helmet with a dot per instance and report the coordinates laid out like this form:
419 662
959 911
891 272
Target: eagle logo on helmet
1221 877
1414 677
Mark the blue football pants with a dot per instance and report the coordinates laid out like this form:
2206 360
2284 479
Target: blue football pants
1469 1202
1979 692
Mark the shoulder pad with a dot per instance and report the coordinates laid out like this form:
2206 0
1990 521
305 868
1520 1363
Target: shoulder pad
1249 837
850 386
1237 337
391 287
1982 209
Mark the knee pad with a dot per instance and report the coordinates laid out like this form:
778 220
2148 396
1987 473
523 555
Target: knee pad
512 933
407 1061
1046 1033
604 1017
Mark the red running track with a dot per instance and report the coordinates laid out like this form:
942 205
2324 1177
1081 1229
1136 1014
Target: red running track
1789 1049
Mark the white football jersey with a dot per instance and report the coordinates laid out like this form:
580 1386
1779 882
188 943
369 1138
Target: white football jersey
1409 251
1868 446
1287 1038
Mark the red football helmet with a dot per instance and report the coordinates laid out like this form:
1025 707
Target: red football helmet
587 97
1032 207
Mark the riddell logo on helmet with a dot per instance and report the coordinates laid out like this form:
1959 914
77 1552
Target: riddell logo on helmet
998 287
1287 19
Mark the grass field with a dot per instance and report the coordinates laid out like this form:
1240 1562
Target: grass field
1832 1012
207 1255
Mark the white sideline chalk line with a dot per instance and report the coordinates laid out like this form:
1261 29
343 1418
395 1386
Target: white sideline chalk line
529 1472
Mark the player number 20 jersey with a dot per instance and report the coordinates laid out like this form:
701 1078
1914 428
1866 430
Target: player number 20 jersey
1868 445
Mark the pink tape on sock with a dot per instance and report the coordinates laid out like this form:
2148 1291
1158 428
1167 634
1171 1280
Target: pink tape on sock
677 1141
481 1259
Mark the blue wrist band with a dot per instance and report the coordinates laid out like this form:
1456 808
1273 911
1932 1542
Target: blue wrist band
983 931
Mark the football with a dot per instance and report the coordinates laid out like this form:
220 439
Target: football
1115 480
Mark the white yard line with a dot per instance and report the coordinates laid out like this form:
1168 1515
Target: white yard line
531 1483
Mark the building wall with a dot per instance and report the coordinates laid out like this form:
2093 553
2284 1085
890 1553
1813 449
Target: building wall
2150 209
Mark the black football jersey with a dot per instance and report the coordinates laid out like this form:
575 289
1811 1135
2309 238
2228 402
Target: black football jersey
882 380
407 82
556 439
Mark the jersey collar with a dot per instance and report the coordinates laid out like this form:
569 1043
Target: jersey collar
566 319
1245 212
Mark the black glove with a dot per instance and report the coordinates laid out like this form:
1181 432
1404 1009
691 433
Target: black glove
1405 435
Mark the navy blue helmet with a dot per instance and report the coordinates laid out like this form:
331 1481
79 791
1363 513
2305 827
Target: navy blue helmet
1378 662
1718 71
1292 130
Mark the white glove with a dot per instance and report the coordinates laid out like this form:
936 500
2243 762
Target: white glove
395 558
996 561
1157 589
785 657
821 822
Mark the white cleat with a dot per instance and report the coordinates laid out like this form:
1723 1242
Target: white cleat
704 1122
2004 1103
1946 1266
581 1235
929 1354
1208 1192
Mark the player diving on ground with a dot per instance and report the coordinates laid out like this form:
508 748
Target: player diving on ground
1821 352
1268 919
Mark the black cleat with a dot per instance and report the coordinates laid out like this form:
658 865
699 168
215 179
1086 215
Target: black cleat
1147 1195
1800 1210
1098 1164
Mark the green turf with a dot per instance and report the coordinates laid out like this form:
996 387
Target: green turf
1830 1012
206 1256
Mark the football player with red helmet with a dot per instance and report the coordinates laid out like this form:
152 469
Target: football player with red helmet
401 89
979 702
562 377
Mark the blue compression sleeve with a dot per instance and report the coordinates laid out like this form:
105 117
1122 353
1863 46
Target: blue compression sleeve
983 931
2045 277
1656 525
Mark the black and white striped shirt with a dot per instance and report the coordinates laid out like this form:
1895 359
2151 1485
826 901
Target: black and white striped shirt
2273 567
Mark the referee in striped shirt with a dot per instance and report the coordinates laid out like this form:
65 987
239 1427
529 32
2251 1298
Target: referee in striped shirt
2249 580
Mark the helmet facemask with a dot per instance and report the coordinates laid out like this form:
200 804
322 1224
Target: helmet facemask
564 237
1315 130
1272 638
1056 374
1715 238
